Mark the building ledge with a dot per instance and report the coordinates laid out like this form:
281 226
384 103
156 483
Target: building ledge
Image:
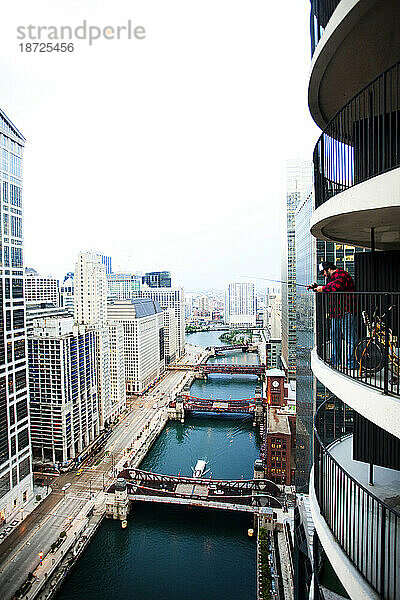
348 216
386 481
374 405
353 582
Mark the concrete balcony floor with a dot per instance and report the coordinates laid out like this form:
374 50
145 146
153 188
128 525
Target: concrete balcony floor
386 481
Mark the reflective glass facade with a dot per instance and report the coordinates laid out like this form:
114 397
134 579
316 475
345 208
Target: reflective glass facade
15 452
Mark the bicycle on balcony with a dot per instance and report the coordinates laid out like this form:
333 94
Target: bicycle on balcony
370 352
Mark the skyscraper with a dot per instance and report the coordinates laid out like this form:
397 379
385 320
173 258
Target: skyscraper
143 335
63 388
90 297
16 484
173 298
240 305
299 179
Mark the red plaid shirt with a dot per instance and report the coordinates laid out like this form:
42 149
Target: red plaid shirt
340 281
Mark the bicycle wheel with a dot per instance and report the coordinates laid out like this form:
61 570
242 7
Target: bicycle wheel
369 356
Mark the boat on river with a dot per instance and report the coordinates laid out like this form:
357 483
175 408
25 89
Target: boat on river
199 469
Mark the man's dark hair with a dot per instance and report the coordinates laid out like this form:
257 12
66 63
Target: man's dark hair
327 265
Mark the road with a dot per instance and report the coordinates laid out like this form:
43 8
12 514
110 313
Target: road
19 552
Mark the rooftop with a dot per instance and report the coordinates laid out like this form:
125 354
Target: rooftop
277 423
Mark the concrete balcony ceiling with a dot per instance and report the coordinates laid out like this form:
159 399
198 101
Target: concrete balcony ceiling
349 216
373 404
360 41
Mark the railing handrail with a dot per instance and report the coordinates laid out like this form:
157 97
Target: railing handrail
361 91
395 513
334 131
357 292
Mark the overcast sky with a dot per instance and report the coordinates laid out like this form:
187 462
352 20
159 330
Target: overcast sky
168 152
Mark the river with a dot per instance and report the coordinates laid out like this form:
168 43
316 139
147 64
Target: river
169 553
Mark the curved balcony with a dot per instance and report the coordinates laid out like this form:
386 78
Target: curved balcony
353 41
359 531
357 354
361 143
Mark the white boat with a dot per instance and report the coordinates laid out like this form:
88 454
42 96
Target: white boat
199 469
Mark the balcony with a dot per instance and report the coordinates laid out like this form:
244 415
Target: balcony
357 355
358 525
353 41
356 169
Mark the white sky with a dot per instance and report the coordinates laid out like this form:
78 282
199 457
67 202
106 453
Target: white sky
167 153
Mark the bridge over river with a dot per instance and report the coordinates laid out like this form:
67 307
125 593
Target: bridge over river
258 370
214 405
239 495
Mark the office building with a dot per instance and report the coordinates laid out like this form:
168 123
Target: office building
273 353
279 428
41 289
170 335
67 292
16 485
157 279
90 301
355 484
106 261
274 313
240 305
299 179
117 369
170 298
121 286
62 388
142 321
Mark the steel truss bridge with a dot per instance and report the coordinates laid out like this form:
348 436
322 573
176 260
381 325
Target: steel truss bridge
216 349
246 405
221 368
243 495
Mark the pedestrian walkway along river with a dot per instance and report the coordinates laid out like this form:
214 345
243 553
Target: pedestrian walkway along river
175 553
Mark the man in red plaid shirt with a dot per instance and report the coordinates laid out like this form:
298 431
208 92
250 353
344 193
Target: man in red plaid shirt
341 312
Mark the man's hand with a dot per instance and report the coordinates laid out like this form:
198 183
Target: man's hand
319 288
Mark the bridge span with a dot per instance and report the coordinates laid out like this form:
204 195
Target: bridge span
240 495
246 405
258 370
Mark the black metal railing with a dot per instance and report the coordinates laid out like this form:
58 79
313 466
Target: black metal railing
366 529
358 335
362 140
321 12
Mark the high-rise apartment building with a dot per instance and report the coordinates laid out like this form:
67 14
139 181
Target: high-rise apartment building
298 179
41 289
90 299
157 279
62 388
16 485
240 305
142 321
121 286
355 484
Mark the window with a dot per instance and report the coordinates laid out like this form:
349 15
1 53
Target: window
23 440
